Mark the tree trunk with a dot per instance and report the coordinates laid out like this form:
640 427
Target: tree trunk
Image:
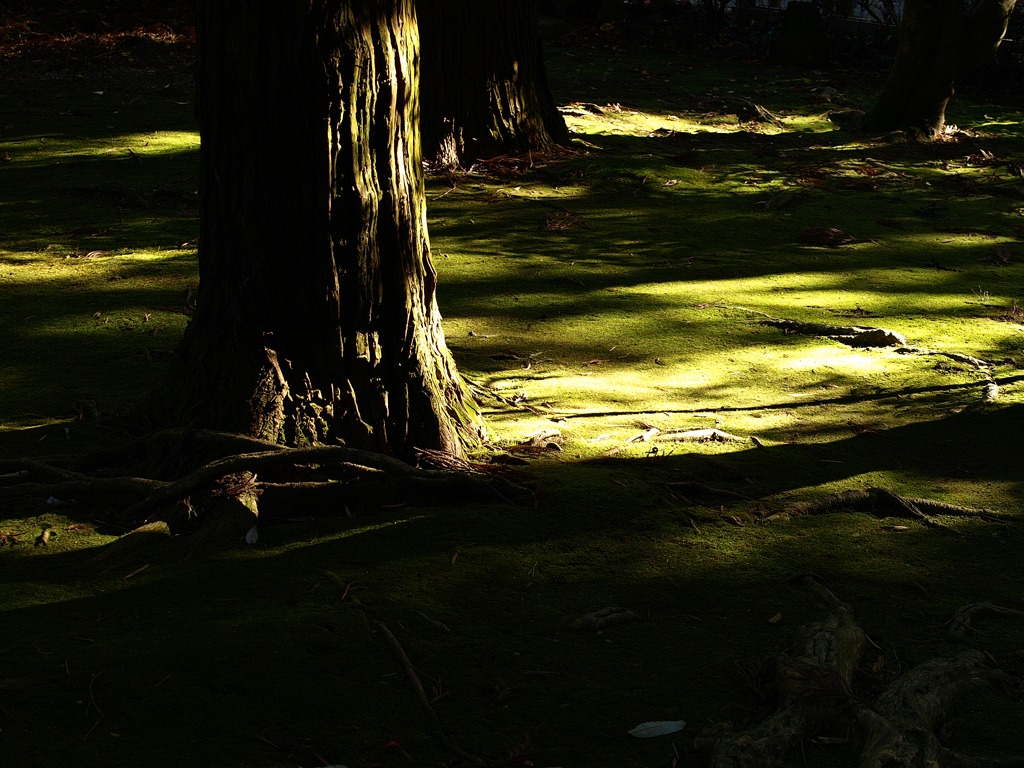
941 41
316 316
484 90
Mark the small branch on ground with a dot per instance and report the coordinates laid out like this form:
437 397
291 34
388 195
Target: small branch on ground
411 676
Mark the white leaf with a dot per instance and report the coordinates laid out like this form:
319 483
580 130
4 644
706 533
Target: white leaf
657 728
252 535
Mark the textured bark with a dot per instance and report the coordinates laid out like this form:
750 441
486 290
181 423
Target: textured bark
941 41
316 314
484 90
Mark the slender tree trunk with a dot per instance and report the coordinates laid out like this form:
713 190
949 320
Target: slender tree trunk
941 41
316 316
484 90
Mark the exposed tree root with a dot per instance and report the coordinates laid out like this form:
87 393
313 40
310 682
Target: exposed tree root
814 683
319 480
961 623
852 335
883 503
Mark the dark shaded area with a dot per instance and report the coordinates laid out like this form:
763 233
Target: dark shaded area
96 38
495 692
97 16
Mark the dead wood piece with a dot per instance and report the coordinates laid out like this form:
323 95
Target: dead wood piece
852 335
961 623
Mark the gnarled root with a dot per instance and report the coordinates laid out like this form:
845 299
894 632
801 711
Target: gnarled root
264 477
814 682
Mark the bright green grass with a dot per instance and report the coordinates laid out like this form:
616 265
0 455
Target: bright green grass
607 290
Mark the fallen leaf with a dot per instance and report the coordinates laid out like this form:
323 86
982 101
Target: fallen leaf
775 619
657 728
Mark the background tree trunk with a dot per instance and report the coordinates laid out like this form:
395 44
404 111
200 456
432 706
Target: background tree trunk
316 314
484 90
941 41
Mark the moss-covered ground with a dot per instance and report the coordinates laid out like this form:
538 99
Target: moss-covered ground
601 292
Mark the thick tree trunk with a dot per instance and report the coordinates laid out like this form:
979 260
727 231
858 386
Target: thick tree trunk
941 41
316 316
484 90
